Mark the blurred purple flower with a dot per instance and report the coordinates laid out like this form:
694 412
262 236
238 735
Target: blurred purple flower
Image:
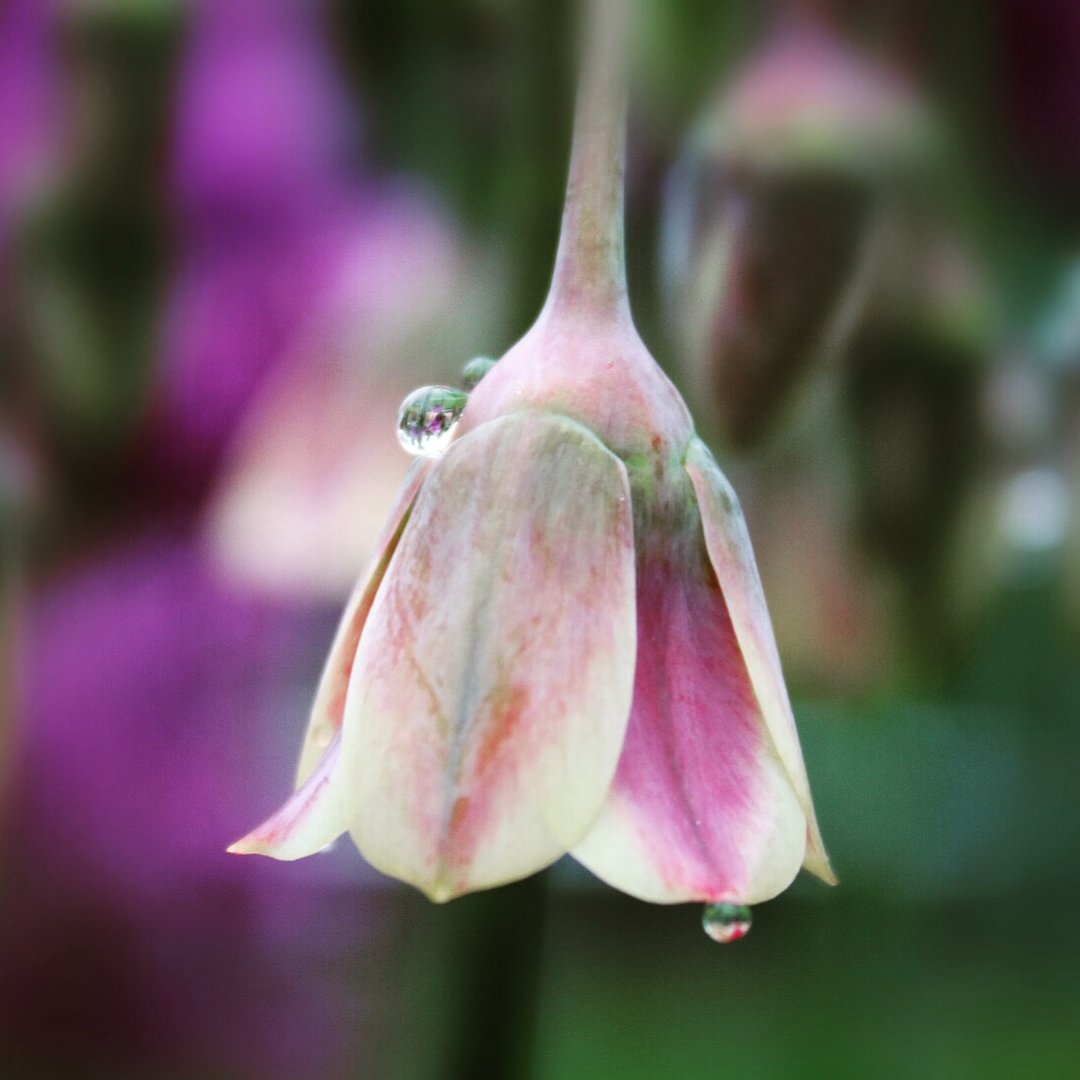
261 123
265 211
237 304
279 240
152 701
314 458
29 105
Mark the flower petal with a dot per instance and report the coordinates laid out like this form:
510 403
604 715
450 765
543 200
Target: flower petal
311 819
491 690
329 705
315 814
701 808
733 560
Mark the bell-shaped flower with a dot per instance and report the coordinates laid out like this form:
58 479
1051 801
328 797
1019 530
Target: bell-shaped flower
776 216
562 644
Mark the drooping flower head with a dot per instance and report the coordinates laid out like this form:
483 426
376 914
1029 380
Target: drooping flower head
775 217
562 645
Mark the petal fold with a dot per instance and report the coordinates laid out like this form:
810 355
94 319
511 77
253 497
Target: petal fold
732 556
701 808
329 705
490 693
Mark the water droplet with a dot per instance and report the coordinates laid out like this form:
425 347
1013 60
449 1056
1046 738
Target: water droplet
427 418
475 370
726 922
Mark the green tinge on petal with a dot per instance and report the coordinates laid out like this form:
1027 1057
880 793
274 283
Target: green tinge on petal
490 694
329 705
732 557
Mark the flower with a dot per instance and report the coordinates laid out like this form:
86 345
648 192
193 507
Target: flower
562 645
306 469
267 212
775 220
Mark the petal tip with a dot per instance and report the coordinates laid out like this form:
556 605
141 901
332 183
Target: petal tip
247 845
817 863
441 893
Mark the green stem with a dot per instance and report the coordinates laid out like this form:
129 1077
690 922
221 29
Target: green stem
590 269
499 979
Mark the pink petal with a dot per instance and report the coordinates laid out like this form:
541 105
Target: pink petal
315 815
733 560
701 808
492 686
311 819
329 706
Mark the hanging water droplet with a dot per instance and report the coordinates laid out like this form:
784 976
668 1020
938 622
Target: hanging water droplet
427 418
726 922
475 370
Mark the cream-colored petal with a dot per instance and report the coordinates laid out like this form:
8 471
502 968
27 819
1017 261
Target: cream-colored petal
732 556
329 705
490 693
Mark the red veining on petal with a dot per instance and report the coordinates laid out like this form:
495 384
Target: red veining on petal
504 727
494 674
492 764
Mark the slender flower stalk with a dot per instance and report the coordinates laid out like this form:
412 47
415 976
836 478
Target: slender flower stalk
563 644
590 269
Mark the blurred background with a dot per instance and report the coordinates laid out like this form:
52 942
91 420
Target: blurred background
235 233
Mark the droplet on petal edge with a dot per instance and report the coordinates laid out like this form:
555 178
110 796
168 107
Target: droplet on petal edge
726 922
427 418
475 370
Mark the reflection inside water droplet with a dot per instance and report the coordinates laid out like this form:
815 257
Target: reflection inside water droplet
475 370
726 922
427 418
